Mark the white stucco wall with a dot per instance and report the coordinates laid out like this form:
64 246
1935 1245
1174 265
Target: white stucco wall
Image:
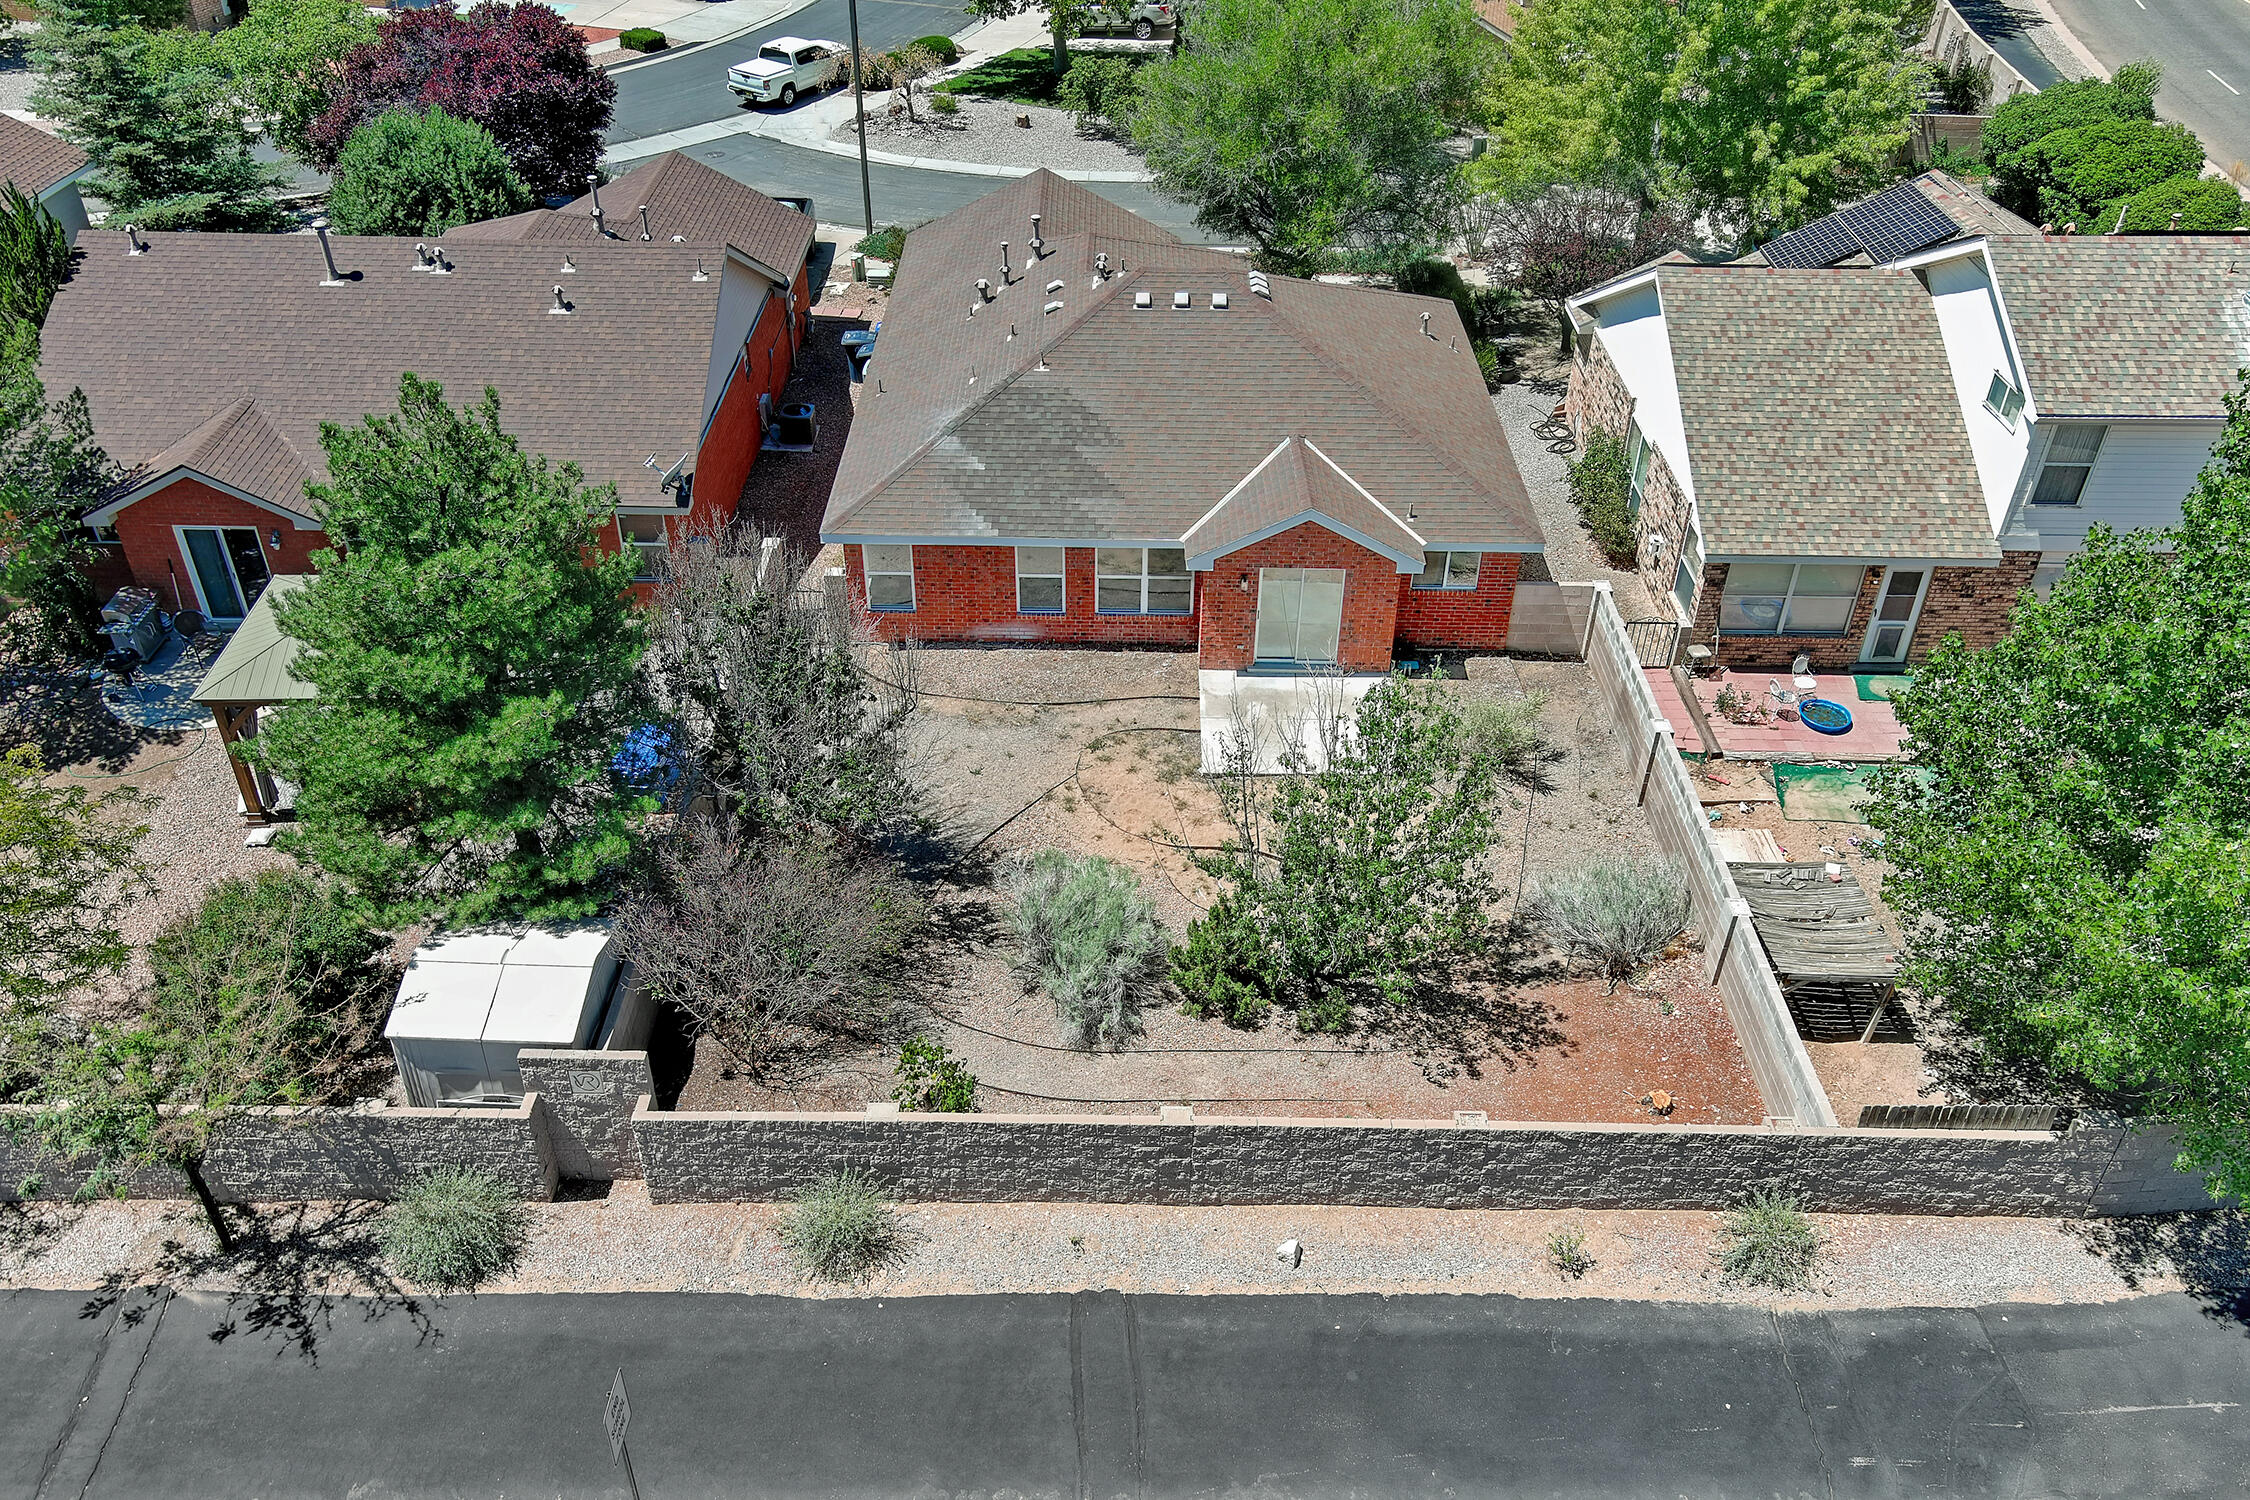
1631 327
1976 345
742 294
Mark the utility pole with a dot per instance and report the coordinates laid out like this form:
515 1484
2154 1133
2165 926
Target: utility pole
859 113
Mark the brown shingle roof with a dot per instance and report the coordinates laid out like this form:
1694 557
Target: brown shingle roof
1968 208
2143 325
237 446
1294 482
1821 416
683 197
1103 421
164 343
34 160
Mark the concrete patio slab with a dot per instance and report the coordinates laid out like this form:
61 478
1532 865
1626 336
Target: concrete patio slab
1276 711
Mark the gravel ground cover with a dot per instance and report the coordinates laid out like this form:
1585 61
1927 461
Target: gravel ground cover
1018 762
1571 555
985 130
620 1242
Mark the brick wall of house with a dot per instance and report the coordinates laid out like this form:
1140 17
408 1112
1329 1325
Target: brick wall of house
1371 598
1976 602
1470 619
152 549
969 594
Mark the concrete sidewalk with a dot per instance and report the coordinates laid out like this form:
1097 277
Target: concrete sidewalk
1102 1394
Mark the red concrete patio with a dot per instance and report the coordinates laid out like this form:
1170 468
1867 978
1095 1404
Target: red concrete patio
1875 733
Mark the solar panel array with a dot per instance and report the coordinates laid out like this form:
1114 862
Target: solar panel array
1897 221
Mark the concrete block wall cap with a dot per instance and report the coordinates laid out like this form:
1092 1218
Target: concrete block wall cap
1474 1117
1176 1114
883 1108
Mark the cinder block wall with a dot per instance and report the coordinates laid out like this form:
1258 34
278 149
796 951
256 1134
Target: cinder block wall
589 1099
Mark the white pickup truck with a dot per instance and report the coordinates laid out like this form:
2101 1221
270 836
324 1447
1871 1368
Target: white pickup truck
786 67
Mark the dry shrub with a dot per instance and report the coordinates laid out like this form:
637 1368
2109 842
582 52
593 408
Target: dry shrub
1618 911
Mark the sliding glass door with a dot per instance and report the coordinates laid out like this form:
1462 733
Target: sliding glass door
1300 615
229 564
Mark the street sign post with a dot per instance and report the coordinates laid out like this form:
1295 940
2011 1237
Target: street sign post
617 1414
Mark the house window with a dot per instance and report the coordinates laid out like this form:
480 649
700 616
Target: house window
1449 570
1789 598
1688 576
890 577
1636 456
2003 400
1142 581
1039 580
2069 463
647 534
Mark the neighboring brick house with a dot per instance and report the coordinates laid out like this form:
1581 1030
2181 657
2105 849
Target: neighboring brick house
209 362
46 169
1078 430
1882 429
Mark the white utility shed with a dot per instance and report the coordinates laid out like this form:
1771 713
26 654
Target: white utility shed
470 1001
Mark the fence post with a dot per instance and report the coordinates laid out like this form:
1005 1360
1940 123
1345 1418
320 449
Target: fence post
1657 730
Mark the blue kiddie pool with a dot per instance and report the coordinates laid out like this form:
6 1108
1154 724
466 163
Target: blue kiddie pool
1820 715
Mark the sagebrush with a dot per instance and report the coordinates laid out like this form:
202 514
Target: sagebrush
1567 1252
1618 911
455 1229
842 1228
1507 732
1090 938
1769 1241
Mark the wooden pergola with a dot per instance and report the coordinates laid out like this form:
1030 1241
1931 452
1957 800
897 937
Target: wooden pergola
1837 963
253 673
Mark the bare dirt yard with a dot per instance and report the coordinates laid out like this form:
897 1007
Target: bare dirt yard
1096 752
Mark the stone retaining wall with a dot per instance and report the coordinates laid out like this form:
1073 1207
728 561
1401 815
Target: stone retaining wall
1424 1164
590 1098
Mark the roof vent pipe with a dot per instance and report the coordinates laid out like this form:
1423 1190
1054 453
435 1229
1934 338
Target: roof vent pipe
594 183
133 245
560 305
439 265
1426 327
984 289
569 266
421 256
700 273
320 229
644 223
1101 264
1037 244
1003 262
2176 222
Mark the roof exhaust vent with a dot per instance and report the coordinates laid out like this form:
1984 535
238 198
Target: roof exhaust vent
1101 264
700 273
320 231
569 266
1003 262
1426 327
645 235
1053 307
561 306
1054 286
679 239
2176 217
1142 299
439 265
594 184
133 245
984 290
1260 285
1180 299
422 256
974 304
1037 244
1219 301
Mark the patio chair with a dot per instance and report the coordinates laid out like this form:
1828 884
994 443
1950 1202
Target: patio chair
1784 699
118 668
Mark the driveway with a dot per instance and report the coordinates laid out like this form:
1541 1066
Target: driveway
1103 1394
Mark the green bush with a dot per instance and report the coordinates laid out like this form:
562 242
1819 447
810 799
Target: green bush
1433 277
931 1078
1091 939
422 174
888 242
1769 1242
1026 75
454 1229
2072 173
1488 363
1507 732
641 39
842 1229
947 50
2024 119
1618 911
1962 87
1601 486
2205 206
1100 92
944 104
1224 970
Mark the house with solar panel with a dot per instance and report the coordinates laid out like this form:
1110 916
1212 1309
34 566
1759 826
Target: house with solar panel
1883 427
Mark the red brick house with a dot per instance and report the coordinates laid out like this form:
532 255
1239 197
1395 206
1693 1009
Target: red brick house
647 347
1078 430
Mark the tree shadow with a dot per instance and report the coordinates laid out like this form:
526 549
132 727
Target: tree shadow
1472 1014
295 1270
29 1229
1997 19
64 719
2209 1252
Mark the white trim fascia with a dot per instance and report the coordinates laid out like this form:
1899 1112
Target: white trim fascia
1394 516
1256 470
104 514
1201 562
903 539
1609 289
1860 561
1930 255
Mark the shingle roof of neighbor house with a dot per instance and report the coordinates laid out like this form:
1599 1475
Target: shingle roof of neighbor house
34 160
2144 325
225 352
1820 415
685 199
1060 411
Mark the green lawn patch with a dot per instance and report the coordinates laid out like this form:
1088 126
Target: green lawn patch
1026 75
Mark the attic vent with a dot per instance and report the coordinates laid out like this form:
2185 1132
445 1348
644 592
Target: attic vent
1179 299
133 245
561 306
679 239
1260 285
1053 307
568 265
1054 286
1141 299
1219 301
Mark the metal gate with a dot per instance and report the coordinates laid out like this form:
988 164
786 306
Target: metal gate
1656 643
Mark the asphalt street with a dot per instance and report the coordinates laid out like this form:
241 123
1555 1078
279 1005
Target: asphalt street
2205 48
1100 1394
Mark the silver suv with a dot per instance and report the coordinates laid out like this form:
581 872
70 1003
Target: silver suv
1140 17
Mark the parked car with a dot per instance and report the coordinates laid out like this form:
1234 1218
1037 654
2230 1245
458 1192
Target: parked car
786 67
1140 17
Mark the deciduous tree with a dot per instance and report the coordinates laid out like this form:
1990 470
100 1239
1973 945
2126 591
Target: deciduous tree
422 174
1552 242
476 654
2070 835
